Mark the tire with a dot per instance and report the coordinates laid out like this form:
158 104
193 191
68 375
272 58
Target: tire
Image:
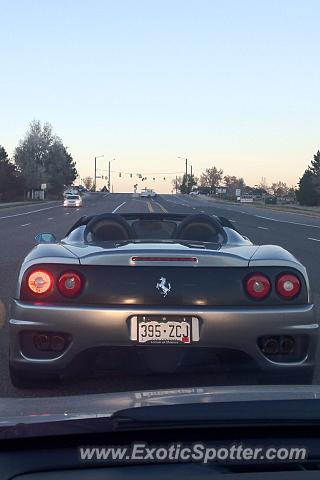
24 380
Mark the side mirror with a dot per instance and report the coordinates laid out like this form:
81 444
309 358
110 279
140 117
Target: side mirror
45 238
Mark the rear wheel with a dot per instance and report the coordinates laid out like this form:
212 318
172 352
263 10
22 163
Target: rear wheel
24 380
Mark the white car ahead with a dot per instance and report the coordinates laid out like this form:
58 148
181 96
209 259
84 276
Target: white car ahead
148 193
72 201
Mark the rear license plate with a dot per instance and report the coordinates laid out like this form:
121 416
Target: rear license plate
164 329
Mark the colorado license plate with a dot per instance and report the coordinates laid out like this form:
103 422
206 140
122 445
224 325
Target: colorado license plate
164 329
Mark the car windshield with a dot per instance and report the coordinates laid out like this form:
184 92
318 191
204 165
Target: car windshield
159 198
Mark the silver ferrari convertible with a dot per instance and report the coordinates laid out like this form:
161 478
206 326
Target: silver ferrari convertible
153 293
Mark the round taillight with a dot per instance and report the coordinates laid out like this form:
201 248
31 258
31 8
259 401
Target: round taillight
288 285
258 286
70 284
40 282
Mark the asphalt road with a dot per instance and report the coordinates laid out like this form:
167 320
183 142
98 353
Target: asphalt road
298 233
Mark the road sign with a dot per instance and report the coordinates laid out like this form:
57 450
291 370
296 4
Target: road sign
43 186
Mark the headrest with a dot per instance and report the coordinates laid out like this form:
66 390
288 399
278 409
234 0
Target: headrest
200 227
108 227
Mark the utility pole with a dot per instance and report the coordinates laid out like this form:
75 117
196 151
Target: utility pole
191 171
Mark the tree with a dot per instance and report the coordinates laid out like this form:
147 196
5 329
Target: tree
88 182
211 178
230 180
188 182
308 192
11 181
42 158
60 168
315 164
280 189
233 183
32 153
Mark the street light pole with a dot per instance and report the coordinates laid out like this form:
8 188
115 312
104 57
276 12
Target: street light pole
186 160
95 171
109 177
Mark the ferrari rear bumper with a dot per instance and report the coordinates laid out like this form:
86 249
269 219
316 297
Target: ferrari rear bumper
86 328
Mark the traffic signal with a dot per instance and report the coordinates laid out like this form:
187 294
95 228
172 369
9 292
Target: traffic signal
130 175
119 174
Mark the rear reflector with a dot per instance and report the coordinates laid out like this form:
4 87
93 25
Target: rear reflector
70 284
288 285
40 282
164 259
258 286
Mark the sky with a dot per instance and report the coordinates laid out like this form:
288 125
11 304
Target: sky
233 84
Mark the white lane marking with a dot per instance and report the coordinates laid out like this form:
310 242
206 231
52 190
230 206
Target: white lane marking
263 228
50 218
287 221
25 224
202 211
265 218
68 213
117 208
314 239
194 208
233 221
29 213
